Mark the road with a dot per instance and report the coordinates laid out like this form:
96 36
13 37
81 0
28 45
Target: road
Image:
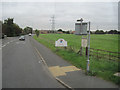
22 67
0 63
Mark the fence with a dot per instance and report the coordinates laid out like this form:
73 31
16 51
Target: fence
108 55
99 54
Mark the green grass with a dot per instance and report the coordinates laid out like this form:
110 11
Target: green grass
105 42
98 67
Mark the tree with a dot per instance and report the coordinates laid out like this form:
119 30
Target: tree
0 29
10 29
113 32
18 30
60 30
8 21
90 32
28 30
67 32
37 32
99 32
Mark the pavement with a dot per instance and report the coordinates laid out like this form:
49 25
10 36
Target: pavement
67 73
22 67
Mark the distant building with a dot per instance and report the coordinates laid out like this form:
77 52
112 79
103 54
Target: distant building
44 31
72 32
59 32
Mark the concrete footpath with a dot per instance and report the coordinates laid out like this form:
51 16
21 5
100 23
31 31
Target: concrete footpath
67 73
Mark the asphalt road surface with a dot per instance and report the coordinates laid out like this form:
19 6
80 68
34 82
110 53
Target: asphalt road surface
22 67
0 63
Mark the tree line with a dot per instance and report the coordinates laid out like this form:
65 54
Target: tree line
106 32
94 32
11 29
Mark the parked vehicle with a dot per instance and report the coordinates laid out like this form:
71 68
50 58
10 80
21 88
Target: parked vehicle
22 38
30 34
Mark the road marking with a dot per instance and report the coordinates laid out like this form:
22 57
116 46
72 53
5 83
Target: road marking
8 42
40 56
61 71
3 45
38 61
64 83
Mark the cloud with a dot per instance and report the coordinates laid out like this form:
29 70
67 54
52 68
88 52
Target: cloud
38 14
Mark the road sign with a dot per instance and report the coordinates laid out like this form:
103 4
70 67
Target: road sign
60 43
84 42
81 28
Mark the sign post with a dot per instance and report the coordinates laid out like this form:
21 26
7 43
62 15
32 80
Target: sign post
84 42
88 49
81 29
60 43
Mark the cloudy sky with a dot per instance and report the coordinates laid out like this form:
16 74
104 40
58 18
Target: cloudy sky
103 15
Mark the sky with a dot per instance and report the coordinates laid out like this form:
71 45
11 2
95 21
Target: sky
102 15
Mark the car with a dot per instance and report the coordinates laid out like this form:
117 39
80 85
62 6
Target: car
30 34
3 36
22 38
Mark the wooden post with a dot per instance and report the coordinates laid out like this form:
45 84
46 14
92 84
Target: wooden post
65 48
86 51
109 55
81 51
97 53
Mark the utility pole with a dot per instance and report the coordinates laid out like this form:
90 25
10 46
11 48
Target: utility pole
53 23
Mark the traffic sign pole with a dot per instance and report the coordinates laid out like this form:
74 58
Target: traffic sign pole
88 64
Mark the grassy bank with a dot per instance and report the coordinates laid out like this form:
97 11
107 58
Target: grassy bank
98 67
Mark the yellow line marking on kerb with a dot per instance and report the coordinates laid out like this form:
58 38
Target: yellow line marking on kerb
61 71
38 53
40 56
